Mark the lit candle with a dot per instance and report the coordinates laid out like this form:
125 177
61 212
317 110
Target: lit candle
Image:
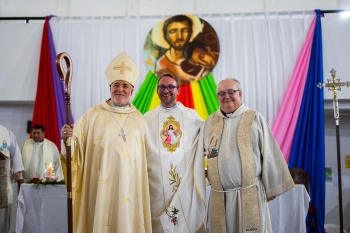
49 170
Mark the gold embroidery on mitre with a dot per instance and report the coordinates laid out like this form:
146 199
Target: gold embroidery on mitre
171 134
122 67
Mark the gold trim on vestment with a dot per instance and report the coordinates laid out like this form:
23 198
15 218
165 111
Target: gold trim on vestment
217 198
215 135
249 191
4 186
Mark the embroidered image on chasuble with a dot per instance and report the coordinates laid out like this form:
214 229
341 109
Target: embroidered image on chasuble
171 133
176 175
247 169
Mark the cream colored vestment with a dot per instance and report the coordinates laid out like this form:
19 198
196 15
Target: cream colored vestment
110 182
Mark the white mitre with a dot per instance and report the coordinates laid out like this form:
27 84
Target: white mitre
122 67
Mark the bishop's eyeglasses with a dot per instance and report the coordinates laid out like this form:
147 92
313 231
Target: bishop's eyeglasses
170 88
230 93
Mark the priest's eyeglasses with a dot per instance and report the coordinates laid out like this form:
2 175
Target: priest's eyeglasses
230 93
170 88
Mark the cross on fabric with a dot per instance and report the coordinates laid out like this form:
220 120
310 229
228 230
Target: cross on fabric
122 67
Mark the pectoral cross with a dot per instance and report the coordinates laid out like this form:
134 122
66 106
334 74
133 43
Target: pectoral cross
334 85
123 135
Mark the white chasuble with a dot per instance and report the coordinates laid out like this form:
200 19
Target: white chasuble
34 157
272 176
110 183
176 175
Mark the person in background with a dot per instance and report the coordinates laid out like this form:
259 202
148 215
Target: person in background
38 151
10 169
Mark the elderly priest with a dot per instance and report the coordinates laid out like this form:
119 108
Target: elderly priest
110 182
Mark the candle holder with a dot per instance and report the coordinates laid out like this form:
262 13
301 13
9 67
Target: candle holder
49 172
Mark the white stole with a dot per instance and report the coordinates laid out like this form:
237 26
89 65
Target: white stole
27 153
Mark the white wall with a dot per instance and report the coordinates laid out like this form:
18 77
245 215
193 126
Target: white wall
14 116
157 7
19 60
332 210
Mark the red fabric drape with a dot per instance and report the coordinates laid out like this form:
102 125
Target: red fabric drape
185 96
45 106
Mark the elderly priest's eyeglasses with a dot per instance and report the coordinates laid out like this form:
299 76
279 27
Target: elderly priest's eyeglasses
230 93
170 88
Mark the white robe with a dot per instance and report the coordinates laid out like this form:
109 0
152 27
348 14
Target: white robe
34 157
14 155
273 177
187 169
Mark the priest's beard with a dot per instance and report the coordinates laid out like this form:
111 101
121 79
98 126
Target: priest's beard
168 100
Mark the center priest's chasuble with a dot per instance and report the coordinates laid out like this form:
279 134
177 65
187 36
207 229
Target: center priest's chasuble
177 199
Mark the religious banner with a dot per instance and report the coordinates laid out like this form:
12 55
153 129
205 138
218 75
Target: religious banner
188 48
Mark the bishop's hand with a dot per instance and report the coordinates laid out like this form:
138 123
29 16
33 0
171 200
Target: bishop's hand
67 131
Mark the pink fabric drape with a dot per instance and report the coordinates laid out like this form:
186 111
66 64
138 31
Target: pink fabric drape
284 126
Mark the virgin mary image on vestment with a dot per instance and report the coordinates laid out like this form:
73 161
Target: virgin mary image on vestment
183 45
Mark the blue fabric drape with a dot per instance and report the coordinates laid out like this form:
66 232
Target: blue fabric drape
308 149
